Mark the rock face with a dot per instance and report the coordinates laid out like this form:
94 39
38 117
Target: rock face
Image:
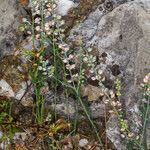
121 36
113 133
9 14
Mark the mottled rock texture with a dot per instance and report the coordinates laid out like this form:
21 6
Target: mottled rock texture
124 35
121 35
9 22
120 32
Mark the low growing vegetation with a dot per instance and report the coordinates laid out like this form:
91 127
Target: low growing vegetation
53 65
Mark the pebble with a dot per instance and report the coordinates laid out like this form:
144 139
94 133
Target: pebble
63 6
6 89
83 142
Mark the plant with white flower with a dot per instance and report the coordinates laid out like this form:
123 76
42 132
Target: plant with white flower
45 67
46 22
90 60
146 88
25 25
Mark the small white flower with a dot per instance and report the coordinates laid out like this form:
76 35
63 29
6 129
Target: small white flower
62 22
76 75
65 60
71 56
62 30
48 5
38 12
55 33
112 96
106 101
44 69
72 66
29 32
85 59
54 6
40 68
118 103
49 68
47 28
146 79
111 111
49 9
93 78
69 81
91 71
67 66
36 8
111 92
44 73
100 72
98 77
94 59
54 39
49 33
122 129
60 46
37 28
47 14
46 25
122 135
37 20
89 49
114 103
35 3
52 23
24 20
137 137
130 135
103 79
58 17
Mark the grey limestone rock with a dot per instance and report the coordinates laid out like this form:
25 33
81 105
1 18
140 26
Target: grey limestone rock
9 23
122 34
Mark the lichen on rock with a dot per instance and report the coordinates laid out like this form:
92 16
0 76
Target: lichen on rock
121 37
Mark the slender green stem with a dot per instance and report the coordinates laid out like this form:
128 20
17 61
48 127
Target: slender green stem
32 26
90 120
146 115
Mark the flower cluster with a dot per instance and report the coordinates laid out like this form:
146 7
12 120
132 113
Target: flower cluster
46 22
90 60
146 88
68 58
45 68
112 100
146 79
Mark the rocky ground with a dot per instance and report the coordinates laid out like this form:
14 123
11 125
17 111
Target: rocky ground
115 35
